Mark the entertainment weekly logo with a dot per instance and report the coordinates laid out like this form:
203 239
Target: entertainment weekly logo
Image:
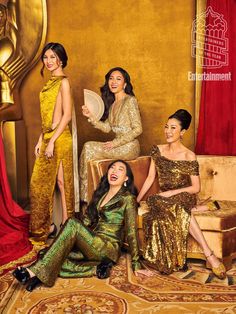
210 45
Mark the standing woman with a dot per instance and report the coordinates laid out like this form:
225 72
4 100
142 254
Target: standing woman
169 221
54 158
121 116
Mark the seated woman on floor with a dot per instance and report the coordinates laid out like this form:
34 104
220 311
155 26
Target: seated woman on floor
169 220
86 248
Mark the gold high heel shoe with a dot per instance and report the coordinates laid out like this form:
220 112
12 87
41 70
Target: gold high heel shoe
220 270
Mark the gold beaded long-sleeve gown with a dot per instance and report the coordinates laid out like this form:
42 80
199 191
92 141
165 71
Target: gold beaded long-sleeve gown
127 126
166 225
45 170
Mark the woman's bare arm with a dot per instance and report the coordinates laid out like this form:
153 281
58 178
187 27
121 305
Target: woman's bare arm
148 182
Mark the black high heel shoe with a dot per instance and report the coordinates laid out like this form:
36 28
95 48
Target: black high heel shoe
53 234
33 283
21 274
104 269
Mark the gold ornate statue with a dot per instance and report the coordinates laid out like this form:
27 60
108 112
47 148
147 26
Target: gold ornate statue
23 25
8 45
22 36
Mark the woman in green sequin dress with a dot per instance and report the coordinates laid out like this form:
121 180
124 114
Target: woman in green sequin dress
82 245
169 220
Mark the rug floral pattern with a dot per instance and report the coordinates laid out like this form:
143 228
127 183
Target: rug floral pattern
196 291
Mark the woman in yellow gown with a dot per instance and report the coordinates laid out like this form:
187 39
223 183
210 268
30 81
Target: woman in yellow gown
54 159
121 116
169 220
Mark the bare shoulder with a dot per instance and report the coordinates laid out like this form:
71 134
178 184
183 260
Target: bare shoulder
65 84
162 148
190 155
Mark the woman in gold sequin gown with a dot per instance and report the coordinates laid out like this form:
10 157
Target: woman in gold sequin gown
169 220
84 249
121 116
53 151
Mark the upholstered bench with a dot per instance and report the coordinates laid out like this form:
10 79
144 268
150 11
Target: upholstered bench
218 176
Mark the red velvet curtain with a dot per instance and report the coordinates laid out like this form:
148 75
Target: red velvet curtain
217 119
14 222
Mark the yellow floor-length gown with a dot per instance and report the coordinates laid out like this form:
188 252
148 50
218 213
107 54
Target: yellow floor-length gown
43 180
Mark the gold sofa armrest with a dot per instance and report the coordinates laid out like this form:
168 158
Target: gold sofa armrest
217 175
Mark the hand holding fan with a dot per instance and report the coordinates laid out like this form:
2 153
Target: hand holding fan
94 103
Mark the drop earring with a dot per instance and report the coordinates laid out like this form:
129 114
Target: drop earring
125 184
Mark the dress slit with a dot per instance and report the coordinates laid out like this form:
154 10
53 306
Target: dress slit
64 183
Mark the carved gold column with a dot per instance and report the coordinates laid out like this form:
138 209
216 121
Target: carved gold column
23 25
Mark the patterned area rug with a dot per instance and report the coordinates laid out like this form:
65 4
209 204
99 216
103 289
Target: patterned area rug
196 291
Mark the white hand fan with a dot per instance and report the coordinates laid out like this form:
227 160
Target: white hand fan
94 103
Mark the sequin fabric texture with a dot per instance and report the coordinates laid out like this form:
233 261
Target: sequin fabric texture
166 225
45 170
78 249
127 126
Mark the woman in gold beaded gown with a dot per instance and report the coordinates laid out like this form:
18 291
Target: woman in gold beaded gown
54 160
90 247
121 116
169 220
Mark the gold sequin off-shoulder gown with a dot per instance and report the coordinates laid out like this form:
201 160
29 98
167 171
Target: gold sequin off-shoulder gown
45 170
166 225
127 126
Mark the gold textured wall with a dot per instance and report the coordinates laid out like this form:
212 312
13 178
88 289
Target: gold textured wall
149 38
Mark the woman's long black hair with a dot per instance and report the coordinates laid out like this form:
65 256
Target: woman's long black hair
107 96
103 187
